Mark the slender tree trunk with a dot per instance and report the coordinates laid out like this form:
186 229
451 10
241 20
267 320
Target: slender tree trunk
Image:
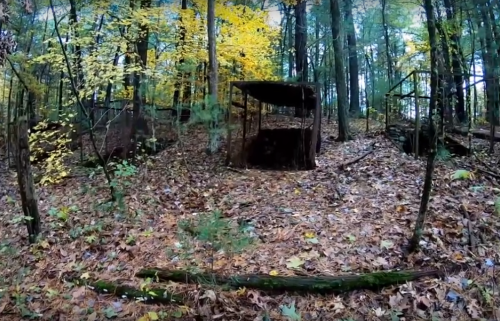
457 59
316 50
354 107
25 179
490 65
212 70
290 43
301 67
301 40
390 72
180 75
73 18
212 51
340 80
447 71
426 191
139 129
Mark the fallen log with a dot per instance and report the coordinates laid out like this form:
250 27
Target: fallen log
153 295
477 133
313 284
455 147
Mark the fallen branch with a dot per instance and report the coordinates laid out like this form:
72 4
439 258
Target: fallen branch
357 159
490 171
235 170
126 292
316 284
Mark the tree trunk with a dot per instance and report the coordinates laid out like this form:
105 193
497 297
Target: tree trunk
490 64
426 191
447 71
212 71
79 76
290 42
212 51
390 72
181 75
316 50
457 59
354 107
25 179
139 129
300 49
340 80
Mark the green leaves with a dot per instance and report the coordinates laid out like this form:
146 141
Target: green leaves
497 206
462 174
290 312
294 262
386 244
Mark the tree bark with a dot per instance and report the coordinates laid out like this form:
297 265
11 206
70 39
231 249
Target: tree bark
340 79
212 72
290 42
431 158
490 64
390 72
148 296
310 284
182 75
212 50
25 179
354 107
301 67
447 70
457 59
139 129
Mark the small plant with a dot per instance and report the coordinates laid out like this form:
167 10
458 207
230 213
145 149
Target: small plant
216 233
62 213
91 239
130 240
78 231
124 170
443 154
210 115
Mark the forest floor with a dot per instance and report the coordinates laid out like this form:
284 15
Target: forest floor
329 221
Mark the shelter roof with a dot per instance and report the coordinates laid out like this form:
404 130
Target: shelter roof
280 93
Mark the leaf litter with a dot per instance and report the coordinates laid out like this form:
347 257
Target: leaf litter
329 221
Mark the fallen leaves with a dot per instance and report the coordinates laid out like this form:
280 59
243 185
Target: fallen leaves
294 262
316 222
150 316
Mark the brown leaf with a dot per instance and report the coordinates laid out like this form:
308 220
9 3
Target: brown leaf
63 252
3 305
78 292
92 316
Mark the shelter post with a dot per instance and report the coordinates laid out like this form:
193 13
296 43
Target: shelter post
229 121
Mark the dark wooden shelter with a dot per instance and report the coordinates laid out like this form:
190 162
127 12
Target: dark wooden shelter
298 146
